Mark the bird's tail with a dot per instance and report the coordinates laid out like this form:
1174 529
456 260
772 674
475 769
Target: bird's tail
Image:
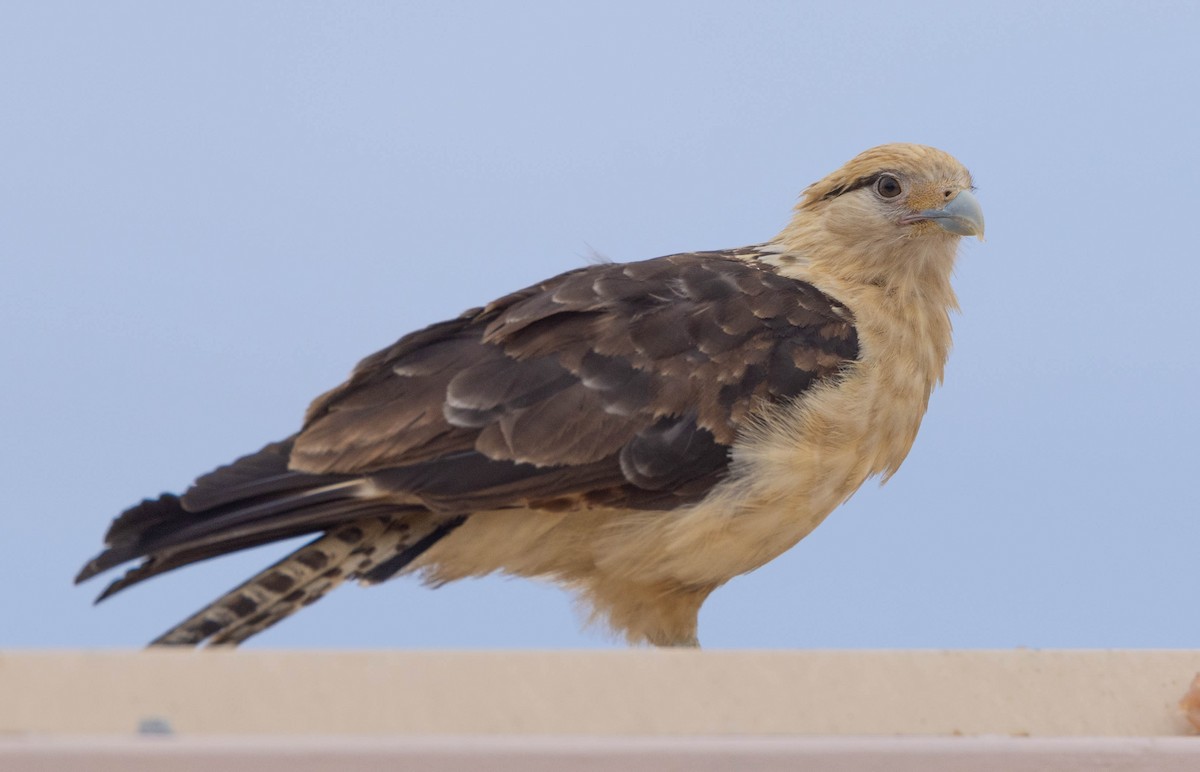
257 500
369 550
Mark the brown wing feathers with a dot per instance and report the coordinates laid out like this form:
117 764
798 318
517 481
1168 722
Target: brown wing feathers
253 501
624 385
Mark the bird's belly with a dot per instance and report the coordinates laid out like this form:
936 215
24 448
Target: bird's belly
798 464
731 534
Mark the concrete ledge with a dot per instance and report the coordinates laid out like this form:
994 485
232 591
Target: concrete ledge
554 754
632 693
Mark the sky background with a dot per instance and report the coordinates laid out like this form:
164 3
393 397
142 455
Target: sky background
210 211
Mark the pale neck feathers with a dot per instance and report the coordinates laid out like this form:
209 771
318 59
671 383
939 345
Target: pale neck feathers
897 285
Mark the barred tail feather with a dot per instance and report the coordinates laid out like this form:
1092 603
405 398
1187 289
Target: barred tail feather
355 551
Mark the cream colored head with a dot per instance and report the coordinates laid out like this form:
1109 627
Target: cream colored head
893 208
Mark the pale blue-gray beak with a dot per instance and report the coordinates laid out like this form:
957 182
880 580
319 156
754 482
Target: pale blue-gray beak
961 215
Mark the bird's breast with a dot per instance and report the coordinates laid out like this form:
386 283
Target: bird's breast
798 461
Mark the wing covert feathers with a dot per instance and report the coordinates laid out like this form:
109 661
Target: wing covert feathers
573 370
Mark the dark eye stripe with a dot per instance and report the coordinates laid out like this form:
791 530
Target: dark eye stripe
861 182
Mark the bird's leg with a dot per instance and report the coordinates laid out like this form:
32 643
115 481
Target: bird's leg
691 642
660 613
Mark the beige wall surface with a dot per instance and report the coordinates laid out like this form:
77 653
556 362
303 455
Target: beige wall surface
1019 693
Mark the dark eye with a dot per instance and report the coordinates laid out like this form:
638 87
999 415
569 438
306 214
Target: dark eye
887 186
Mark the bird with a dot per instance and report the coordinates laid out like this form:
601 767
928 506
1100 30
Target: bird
640 433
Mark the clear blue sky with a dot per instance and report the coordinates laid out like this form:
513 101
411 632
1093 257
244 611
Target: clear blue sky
210 211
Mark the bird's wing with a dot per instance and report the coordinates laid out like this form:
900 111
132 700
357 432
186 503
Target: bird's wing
615 384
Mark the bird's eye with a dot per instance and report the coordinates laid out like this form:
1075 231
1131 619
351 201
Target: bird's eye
887 186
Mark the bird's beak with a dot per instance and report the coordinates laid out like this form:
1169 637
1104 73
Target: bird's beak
961 215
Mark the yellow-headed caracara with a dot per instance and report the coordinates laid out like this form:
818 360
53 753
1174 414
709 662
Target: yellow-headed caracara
640 433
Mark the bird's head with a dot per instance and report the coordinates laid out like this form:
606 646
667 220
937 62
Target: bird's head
890 207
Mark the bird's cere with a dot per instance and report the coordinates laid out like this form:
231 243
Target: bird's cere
962 215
